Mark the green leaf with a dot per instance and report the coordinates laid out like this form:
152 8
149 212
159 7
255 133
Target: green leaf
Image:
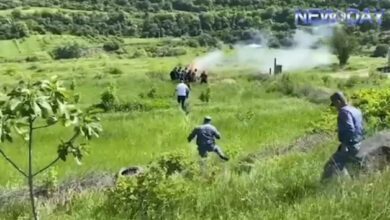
46 107
37 110
14 103
51 120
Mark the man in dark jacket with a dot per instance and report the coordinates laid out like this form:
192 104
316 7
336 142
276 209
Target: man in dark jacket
203 77
350 134
205 139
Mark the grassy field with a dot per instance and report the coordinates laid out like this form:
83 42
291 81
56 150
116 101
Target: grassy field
138 137
254 115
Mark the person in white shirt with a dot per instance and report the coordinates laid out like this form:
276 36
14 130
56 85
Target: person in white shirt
182 92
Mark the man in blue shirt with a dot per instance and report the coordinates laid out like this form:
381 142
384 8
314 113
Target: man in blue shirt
205 139
350 134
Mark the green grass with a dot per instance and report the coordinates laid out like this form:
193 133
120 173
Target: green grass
249 118
136 138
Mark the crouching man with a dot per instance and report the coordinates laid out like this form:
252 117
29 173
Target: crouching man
205 139
350 134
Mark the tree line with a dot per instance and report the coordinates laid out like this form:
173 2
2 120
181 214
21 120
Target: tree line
188 5
225 20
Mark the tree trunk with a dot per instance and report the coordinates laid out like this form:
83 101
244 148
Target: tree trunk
30 173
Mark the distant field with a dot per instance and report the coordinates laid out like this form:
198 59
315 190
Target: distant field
253 113
35 45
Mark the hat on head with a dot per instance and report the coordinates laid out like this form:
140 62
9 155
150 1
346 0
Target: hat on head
337 96
207 118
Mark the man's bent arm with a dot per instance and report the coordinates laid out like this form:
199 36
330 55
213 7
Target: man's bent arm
217 134
192 135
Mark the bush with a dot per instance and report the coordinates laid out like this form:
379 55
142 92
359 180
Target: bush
166 51
139 53
381 51
68 51
193 43
32 59
205 40
111 46
108 99
374 105
149 195
155 192
115 71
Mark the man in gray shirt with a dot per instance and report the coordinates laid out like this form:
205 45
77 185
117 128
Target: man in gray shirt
350 134
205 139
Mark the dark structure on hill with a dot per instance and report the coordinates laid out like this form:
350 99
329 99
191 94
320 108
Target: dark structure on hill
386 69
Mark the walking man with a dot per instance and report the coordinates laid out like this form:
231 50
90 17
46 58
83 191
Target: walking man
203 77
182 92
205 139
350 134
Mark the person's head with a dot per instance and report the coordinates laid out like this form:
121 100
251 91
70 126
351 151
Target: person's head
338 100
182 81
196 70
207 120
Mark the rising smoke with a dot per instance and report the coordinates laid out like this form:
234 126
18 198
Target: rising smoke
305 53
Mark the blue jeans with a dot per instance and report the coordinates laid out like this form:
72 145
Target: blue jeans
181 100
343 156
203 150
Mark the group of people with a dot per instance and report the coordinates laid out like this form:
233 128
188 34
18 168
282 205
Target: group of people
350 134
188 75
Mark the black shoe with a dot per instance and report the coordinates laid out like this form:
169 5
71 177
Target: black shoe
224 158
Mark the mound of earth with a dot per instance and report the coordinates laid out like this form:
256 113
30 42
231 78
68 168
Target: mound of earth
375 151
92 181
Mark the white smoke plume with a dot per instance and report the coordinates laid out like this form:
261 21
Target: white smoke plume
305 53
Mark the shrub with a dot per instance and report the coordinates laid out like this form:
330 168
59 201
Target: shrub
115 71
374 105
152 93
108 99
193 43
32 59
166 51
380 51
111 46
174 162
139 53
152 194
68 51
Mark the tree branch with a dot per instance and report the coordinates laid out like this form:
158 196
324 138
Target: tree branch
12 163
44 126
74 137
58 157
47 167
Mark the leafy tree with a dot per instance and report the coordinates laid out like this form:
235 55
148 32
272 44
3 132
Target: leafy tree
33 106
19 29
343 45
